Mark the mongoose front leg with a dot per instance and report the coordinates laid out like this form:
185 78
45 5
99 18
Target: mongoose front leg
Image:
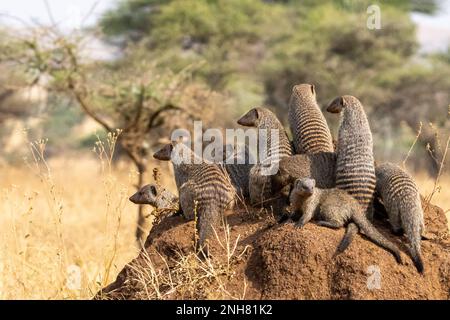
329 224
308 214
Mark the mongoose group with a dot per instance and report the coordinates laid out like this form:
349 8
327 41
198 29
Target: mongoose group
315 181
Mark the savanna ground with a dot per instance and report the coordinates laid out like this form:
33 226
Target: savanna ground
67 227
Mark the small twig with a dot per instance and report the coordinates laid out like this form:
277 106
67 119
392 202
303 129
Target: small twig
412 146
436 182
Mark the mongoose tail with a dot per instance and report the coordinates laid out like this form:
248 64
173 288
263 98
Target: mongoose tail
363 223
412 230
208 220
351 231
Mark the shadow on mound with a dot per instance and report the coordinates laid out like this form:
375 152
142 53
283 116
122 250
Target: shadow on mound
278 261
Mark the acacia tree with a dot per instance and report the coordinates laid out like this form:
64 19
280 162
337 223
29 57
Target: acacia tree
136 98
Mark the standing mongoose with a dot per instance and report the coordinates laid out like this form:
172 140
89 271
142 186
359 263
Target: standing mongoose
334 208
206 190
164 201
308 125
355 168
259 184
401 198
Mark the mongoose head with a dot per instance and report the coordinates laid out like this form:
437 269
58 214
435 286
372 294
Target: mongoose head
165 153
146 195
340 103
250 119
304 89
304 186
257 117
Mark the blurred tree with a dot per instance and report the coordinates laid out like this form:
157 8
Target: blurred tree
257 50
134 98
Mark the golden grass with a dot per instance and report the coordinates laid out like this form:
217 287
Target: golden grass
65 235
442 196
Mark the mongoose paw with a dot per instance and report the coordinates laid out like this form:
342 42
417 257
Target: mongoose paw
399 258
299 225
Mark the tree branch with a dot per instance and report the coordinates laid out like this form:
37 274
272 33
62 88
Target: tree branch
157 113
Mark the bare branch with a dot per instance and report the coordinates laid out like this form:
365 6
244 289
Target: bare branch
158 112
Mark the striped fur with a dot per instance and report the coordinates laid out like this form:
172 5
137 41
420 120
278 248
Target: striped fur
307 122
319 166
239 170
355 170
206 190
401 198
260 185
263 118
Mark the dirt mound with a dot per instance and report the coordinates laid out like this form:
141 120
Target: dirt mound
258 259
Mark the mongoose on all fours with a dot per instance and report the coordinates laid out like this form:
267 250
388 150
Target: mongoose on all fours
259 183
355 168
401 199
334 208
309 127
206 190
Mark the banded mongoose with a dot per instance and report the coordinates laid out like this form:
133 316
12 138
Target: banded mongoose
309 127
401 198
238 163
259 184
206 190
164 201
355 168
334 208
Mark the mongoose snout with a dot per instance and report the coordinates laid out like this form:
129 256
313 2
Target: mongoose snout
336 105
305 187
249 119
146 195
164 153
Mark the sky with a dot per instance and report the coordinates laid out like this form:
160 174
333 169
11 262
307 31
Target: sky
433 31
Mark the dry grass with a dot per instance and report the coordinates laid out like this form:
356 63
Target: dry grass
441 197
66 227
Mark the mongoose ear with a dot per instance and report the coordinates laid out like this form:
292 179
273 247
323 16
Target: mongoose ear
249 119
336 105
313 89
